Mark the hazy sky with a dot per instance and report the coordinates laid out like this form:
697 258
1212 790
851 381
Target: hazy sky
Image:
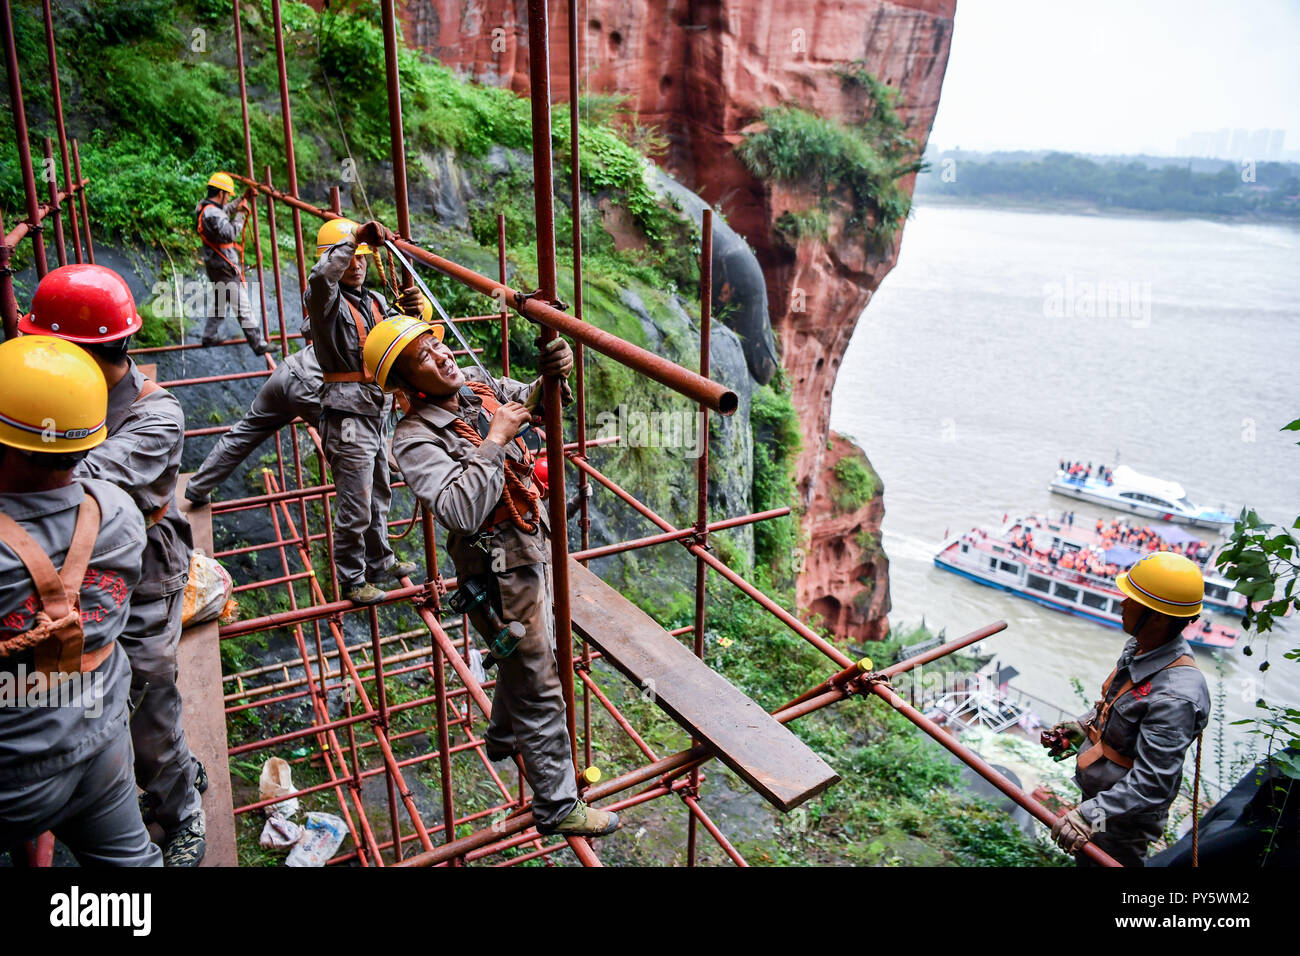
1111 76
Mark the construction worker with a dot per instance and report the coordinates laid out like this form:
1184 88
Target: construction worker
219 221
70 556
476 481
93 307
292 392
1153 706
354 410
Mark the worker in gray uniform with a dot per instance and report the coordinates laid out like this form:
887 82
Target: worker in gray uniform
291 392
70 554
93 307
1153 706
459 452
354 410
219 221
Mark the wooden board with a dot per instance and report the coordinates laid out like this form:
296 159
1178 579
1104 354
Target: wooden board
149 370
203 710
742 734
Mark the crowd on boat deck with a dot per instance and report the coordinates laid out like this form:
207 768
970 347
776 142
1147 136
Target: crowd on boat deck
1082 472
1146 539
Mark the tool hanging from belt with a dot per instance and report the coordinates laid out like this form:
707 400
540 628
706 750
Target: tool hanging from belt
363 377
1096 729
56 640
220 247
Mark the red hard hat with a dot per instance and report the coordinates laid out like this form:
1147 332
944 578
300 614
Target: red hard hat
541 472
82 303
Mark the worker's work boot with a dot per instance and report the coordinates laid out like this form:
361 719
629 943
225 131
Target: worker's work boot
584 821
366 593
403 569
258 344
197 498
185 846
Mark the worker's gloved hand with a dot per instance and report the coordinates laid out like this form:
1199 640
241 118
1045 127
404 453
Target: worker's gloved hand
1071 831
413 303
373 234
556 357
1072 731
507 421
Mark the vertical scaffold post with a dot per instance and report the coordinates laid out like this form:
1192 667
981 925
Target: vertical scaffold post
539 69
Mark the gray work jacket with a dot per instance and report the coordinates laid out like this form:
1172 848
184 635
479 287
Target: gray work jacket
142 456
38 741
1154 724
220 224
334 330
461 484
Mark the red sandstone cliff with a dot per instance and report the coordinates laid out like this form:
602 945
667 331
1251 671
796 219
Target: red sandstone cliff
702 70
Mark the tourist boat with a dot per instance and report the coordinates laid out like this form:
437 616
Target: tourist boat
990 558
1134 493
1053 531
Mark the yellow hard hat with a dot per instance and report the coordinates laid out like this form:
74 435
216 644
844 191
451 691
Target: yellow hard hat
336 230
53 397
388 340
222 181
1165 582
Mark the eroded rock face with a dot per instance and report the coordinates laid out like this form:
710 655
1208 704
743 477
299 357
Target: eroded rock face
702 70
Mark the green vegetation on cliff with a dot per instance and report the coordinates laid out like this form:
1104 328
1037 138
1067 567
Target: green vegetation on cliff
861 161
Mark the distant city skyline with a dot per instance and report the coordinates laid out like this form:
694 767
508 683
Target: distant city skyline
1161 77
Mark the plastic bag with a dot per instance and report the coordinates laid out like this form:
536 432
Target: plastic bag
208 591
321 838
276 781
279 834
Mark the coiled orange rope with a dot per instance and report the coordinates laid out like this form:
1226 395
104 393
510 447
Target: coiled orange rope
518 496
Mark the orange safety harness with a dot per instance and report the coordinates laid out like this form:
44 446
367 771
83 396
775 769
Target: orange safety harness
57 639
520 496
1097 728
364 378
220 247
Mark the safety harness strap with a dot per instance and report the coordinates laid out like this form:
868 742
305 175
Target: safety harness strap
363 377
56 638
219 247
1097 728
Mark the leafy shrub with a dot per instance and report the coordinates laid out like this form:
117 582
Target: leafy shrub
856 483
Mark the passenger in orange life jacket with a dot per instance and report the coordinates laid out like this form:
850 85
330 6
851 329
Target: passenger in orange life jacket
219 222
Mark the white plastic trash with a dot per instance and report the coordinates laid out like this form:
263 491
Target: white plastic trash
207 592
276 781
279 834
321 838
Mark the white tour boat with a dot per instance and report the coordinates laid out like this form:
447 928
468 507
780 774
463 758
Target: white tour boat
1129 491
999 560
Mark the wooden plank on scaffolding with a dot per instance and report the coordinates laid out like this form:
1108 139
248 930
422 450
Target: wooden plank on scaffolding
204 713
741 734
148 369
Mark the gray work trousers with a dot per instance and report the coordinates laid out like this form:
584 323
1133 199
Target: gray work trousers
272 409
356 448
1128 845
528 714
91 807
229 291
164 767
